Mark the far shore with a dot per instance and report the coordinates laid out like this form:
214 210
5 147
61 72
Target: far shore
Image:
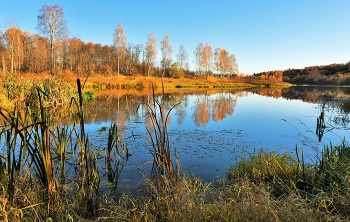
144 83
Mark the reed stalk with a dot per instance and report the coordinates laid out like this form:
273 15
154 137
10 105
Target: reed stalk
115 152
89 174
158 136
10 168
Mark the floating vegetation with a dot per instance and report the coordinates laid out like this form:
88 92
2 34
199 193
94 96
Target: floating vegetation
103 128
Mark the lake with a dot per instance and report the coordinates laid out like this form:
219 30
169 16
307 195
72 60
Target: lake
210 130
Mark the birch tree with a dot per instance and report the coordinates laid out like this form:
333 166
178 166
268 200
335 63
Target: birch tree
53 26
182 56
120 43
222 61
151 50
203 57
225 62
167 51
198 58
207 59
234 68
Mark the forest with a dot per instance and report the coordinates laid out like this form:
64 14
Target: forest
55 52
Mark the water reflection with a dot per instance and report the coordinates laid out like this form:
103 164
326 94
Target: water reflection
123 109
210 130
320 125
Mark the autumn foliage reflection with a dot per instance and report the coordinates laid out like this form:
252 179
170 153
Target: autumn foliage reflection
121 108
202 111
223 106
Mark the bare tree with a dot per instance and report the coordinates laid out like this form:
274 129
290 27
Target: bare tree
120 42
151 50
137 49
51 23
167 50
182 56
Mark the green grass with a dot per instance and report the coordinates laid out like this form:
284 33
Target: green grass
192 86
231 86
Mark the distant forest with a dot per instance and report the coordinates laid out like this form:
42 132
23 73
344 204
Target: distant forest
333 74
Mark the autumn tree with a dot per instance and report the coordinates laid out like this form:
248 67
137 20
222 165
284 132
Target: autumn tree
75 58
207 59
40 54
167 51
88 54
2 52
151 50
225 63
120 43
14 38
27 51
234 68
53 26
182 56
198 58
203 58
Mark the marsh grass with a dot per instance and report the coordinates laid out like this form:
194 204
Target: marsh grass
29 143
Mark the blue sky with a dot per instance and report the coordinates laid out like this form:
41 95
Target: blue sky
264 35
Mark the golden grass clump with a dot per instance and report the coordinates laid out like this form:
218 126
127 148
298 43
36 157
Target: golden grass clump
192 200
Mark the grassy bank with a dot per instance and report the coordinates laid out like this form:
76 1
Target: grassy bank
140 82
263 187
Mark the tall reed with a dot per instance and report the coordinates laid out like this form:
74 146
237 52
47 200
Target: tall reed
158 136
116 152
10 168
32 131
89 180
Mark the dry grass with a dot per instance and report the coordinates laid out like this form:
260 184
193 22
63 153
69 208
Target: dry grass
192 200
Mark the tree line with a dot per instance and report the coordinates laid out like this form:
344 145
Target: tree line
335 74
53 51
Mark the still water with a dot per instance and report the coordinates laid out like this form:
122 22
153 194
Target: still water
211 130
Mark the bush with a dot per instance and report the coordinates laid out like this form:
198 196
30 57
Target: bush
272 169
